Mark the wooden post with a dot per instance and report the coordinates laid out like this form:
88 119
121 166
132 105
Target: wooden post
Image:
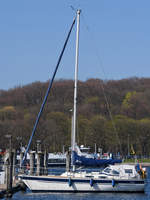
10 174
68 161
40 163
9 170
32 162
45 163
6 165
14 162
21 159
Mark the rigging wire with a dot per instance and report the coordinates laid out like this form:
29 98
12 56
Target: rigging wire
101 83
48 91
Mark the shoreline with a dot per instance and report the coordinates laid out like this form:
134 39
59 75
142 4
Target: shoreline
144 164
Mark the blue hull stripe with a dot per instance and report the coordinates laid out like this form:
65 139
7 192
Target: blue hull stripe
85 191
81 180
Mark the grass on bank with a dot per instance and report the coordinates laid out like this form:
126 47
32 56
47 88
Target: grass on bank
132 160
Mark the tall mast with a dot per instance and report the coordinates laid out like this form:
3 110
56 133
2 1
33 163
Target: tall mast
75 84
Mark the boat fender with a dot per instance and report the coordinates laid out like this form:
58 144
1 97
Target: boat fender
69 182
113 182
91 182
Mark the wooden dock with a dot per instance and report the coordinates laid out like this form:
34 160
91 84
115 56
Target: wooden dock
16 187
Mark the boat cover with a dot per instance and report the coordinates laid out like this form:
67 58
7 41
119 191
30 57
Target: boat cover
83 161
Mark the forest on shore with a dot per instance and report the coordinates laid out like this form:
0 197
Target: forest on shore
113 114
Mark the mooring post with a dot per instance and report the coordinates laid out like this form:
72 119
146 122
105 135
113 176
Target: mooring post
14 162
10 174
45 162
40 159
42 164
21 158
6 165
32 162
68 161
9 170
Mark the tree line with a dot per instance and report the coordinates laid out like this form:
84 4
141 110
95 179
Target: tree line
113 114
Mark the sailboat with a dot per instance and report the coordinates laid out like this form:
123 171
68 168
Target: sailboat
114 178
84 159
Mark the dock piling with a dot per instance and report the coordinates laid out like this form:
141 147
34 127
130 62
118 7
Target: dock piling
68 161
14 162
21 159
40 163
32 162
45 163
8 164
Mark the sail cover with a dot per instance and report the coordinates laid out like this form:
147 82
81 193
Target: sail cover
83 161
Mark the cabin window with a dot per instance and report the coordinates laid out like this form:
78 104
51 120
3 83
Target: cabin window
107 170
114 172
102 177
89 176
128 171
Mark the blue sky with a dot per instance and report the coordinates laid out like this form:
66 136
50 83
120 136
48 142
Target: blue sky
114 40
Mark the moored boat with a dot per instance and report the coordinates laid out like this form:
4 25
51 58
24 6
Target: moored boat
117 178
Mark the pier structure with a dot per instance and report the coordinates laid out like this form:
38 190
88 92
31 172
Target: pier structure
10 185
32 162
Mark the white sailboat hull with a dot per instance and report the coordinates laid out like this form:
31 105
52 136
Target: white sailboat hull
59 184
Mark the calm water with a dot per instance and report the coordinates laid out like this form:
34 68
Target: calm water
85 196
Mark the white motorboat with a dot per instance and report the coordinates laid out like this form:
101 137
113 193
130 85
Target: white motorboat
117 178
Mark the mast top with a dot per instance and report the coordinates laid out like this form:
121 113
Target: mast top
78 11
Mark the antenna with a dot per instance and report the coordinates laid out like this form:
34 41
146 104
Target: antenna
73 8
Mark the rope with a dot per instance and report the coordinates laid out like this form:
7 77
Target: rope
101 84
47 92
